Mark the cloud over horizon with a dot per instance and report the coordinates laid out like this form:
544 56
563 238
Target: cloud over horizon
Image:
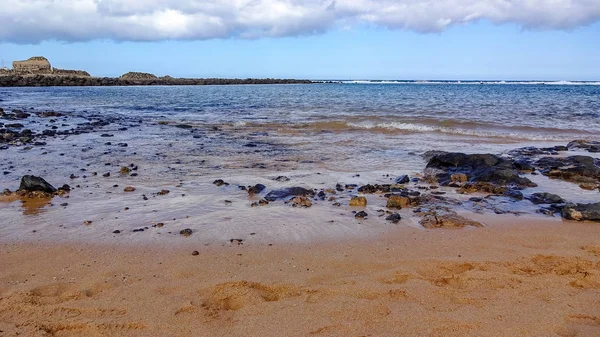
33 21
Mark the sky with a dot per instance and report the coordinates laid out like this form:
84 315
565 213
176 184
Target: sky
312 39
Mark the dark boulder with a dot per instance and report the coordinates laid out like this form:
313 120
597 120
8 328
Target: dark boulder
33 183
289 192
545 198
581 212
404 179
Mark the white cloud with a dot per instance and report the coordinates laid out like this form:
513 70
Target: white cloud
147 20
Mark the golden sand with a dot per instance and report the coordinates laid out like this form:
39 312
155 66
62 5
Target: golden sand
520 279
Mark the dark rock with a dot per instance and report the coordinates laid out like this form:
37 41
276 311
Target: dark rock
220 182
581 212
282 178
545 198
361 215
117 232
394 217
370 189
487 168
590 146
404 179
524 164
321 195
256 189
578 169
195 253
514 194
186 232
289 192
32 183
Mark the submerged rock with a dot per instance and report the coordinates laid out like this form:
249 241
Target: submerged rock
404 179
32 183
581 212
289 192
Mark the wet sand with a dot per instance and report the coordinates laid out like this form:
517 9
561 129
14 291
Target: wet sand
517 278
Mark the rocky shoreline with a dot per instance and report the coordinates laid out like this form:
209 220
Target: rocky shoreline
449 184
50 81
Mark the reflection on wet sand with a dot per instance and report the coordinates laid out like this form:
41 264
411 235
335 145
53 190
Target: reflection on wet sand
34 206
29 206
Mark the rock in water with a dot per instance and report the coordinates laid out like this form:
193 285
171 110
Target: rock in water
289 192
394 217
545 198
186 232
256 189
398 202
404 179
581 212
33 183
486 168
361 215
358 201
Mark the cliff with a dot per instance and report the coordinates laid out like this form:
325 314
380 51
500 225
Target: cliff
36 64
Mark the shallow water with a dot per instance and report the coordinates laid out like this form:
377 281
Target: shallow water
317 135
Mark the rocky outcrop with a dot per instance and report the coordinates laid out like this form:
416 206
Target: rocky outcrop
67 72
34 65
136 76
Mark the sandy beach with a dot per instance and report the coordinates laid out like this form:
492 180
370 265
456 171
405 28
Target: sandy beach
146 219
508 279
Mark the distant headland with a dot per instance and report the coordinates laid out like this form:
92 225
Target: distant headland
38 72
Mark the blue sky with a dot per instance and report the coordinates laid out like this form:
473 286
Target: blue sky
561 49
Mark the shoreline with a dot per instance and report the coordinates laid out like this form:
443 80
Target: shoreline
526 279
40 80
